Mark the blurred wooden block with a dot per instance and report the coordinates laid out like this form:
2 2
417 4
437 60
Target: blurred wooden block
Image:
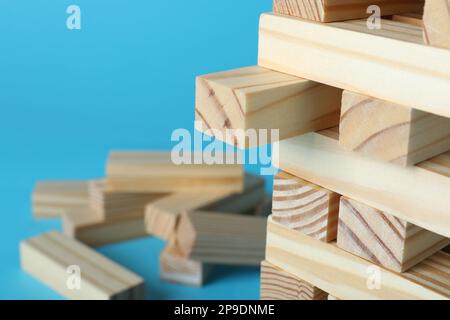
330 297
390 132
414 19
50 257
50 199
221 238
305 207
257 98
339 10
174 267
349 277
383 239
154 172
277 284
436 18
88 227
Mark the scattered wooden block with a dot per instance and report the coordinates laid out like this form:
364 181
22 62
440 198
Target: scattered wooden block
349 277
419 194
154 172
391 132
332 10
221 238
174 267
162 215
351 56
50 199
436 19
305 207
88 227
384 239
277 284
50 258
256 98
414 19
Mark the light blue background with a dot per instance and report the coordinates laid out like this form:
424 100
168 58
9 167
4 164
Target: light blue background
124 81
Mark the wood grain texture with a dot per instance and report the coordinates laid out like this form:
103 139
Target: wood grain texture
221 238
418 194
340 10
350 56
47 258
257 98
346 276
51 199
155 172
384 239
390 132
277 284
436 18
305 207
414 19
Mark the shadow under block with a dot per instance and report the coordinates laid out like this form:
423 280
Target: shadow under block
49 256
50 199
155 172
350 56
349 277
390 132
221 238
277 284
91 229
384 239
162 216
418 194
305 207
174 267
257 98
436 20
339 10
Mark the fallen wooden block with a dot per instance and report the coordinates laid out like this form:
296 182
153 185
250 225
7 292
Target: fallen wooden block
384 239
418 194
155 172
349 277
221 238
351 56
332 10
88 227
390 132
256 98
174 267
277 284
436 18
305 207
414 19
76 271
50 199
162 216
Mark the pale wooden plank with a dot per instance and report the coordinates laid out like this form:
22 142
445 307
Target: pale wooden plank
436 19
414 19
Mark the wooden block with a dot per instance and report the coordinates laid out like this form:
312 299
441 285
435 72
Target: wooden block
154 172
174 267
351 56
277 284
414 19
305 207
49 256
349 277
338 10
257 98
418 194
330 297
50 199
162 216
221 238
86 226
384 239
436 18
391 132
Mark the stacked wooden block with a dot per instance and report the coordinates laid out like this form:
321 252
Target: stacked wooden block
361 206
209 214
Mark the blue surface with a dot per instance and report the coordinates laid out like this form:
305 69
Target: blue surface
124 81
